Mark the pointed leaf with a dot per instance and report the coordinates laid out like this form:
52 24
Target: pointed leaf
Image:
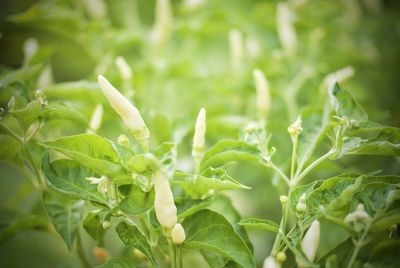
210 231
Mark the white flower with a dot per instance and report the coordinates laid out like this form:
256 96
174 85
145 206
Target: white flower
359 218
178 234
296 128
103 183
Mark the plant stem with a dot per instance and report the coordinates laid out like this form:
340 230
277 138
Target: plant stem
312 166
178 257
172 253
294 150
40 179
79 248
279 171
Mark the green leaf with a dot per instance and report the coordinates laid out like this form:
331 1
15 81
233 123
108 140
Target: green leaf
63 112
69 177
93 225
315 126
22 74
345 106
135 200
187 207
383 141
210 231
131 235
74 91
227 151
10 150
65 214
28 114
201 186
166 154
386 254
116 263
92 151
385 221
260 224
24 223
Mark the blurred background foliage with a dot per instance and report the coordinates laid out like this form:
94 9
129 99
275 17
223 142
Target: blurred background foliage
194 69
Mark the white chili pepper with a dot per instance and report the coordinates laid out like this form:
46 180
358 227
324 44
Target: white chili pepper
270 262
97 118
129 113
164 205
96 9
199 134
263 99
163 22
236 48
124 69
310 243
30 47
286 31
178 234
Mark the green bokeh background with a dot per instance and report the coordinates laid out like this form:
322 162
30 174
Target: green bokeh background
193 70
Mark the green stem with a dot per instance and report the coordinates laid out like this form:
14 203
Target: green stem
311 167
40 179
12 133
294 150
79 248
178 257
279 171
172 253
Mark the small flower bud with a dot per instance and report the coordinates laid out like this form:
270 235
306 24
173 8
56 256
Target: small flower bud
199 134
123 140
129 113
263 98
310 243
286 31
301 206
283 199
106 224
295 129
124 69
281 257
236 48
178 234
270 262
